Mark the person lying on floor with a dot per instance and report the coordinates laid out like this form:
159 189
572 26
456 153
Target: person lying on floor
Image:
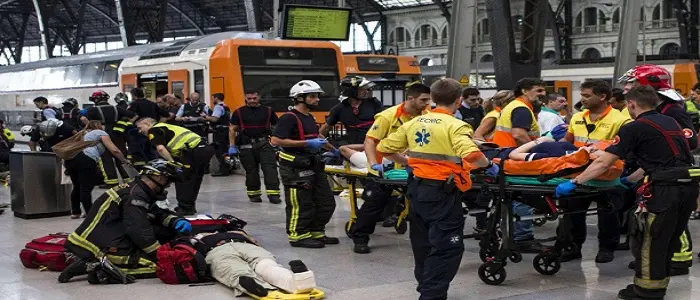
239 262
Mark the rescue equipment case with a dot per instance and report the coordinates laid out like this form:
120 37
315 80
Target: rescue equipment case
47 252
179 262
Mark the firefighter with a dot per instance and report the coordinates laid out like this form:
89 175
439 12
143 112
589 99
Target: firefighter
219 120
115 120
249 137
71 113
665 202
140 150
309 200
356 110
441 153
670 104
126 225
49 133
175 143
377 196
122 100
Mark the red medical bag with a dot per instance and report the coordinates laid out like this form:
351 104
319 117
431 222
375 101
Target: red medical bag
47 252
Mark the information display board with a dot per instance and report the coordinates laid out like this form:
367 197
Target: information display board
301 22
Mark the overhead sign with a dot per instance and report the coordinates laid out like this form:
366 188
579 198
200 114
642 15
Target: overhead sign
303 22
464 80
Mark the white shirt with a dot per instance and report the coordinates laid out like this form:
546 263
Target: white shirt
547 119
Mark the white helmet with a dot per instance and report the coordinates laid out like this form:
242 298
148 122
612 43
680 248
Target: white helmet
305 87
48 128
26 130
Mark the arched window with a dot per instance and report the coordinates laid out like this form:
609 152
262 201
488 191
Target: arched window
616 16
656 13
426 36
548 57
426 62
590 20
668 12
591 53
487 58
669 50
400 37
445 35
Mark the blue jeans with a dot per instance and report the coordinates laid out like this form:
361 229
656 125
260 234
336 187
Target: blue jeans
522 230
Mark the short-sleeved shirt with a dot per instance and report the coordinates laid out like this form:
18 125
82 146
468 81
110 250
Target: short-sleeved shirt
678 113
547 119
471 116
49 113
357 121
181 110
96 151
288 128
218 111
252 121
521 118
605 128
147 109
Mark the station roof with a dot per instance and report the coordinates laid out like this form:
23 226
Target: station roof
184 17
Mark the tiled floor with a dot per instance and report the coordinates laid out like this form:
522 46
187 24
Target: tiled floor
386 273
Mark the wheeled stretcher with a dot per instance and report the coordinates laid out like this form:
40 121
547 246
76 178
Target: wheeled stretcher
352 175
497 245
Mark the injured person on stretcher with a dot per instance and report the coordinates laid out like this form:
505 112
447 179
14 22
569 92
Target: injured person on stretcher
355 153
237 261
545 147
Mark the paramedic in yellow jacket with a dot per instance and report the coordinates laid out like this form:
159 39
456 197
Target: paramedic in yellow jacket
599 121
493 107
517 124
440 152
377 196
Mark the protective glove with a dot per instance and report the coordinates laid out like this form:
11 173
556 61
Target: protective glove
232 150
492 169
83 112
627 183
316 143
379 168
183 226
332 153
565 189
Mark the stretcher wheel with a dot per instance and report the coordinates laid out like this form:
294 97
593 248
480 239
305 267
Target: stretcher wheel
546 264
492 274
539 222
516 257
401 226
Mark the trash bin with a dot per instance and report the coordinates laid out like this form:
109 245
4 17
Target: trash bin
35 185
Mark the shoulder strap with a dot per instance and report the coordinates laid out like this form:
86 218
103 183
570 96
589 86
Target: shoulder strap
667 135
300 126
102 115
269 116
666 107
116 114
240 119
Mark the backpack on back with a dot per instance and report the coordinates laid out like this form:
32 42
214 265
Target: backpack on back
47 252
179 262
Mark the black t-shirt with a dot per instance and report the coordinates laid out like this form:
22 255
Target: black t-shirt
472 116
147 109
108 111
211 241
521 118
356 121
62 132
160 135
252 121
546 150
649 146
677 112
288 128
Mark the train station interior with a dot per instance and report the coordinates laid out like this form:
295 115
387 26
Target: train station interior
204 61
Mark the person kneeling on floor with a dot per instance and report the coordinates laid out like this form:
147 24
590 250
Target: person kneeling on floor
126 226
238 261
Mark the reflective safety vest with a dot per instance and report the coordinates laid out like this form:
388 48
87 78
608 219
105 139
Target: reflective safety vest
495 113
183 139
395 117
503 135
438 146
587 132
690 106
121 126
626 112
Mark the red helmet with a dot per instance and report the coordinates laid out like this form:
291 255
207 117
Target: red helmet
651 75
99 96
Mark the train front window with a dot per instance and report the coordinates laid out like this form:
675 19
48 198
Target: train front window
274 85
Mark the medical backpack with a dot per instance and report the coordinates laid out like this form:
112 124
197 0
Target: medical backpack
47 252
179 262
